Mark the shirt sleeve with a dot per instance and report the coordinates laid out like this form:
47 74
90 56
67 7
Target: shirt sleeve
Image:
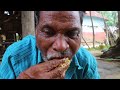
6 70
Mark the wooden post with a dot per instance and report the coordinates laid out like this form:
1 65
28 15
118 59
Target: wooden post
93 31
28 24
106 30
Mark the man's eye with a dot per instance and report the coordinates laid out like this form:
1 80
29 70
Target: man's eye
72 34
48 32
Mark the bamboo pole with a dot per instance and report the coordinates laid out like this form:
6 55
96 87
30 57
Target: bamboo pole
93 31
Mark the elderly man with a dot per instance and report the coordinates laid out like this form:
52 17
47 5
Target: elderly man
57 41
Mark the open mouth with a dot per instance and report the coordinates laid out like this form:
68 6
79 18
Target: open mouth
57 58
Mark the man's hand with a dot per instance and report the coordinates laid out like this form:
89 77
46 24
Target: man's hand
46 70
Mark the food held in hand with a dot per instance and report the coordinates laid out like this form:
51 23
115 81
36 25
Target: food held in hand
67 62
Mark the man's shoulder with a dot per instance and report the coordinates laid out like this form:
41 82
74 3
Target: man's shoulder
21 48
25 41
88 63
85 57
19 56
84 53
21 45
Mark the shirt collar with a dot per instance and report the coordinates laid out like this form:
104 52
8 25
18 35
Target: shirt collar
72 69
39 57
75 62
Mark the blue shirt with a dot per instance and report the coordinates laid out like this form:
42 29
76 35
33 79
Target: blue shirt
23 54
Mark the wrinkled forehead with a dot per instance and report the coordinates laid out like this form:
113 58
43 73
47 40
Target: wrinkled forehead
62 16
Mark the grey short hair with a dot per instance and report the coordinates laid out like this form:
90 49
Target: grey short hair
37 13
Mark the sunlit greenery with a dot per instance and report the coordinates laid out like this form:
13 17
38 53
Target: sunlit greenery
100 47
112 17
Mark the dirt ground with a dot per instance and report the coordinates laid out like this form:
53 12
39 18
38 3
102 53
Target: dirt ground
107 69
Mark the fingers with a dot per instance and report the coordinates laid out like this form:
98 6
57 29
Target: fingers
47 70
23 76
58 72
49 65
45 66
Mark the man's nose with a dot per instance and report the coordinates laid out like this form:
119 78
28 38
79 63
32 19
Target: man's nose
60 44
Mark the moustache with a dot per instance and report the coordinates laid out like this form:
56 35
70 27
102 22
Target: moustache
59 55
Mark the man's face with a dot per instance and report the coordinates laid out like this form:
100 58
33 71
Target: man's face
58 34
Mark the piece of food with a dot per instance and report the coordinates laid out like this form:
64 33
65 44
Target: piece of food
67 62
